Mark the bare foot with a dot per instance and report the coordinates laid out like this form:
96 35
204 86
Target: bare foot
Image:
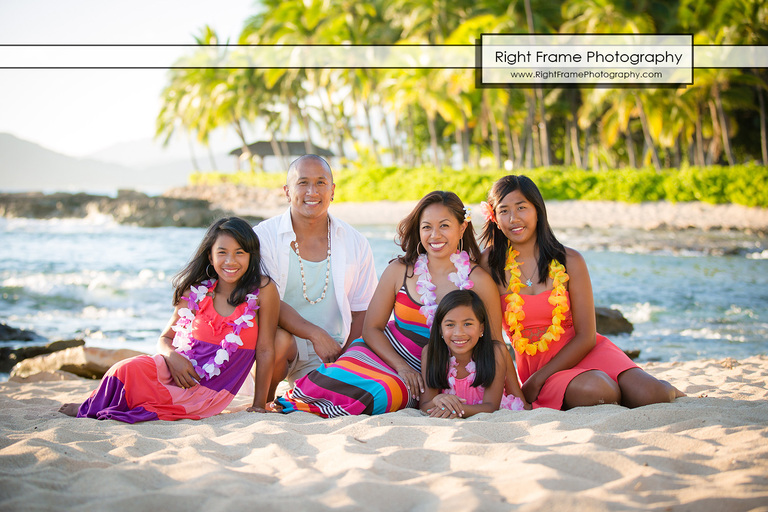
69 409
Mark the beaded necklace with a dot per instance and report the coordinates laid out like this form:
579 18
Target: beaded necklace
184 342
426 288
514 314
327 270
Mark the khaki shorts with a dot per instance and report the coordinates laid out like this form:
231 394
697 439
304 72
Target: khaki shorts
305 362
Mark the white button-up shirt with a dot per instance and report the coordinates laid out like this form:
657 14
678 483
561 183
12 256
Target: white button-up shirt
352 268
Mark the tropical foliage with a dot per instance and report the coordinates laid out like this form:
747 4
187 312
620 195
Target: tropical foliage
738 184
418 117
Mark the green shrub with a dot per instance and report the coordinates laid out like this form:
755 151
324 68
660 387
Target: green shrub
740 184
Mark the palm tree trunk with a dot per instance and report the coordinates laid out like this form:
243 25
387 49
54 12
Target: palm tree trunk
390 140
195 166
585 153
647 135
460 143
286 153
466 138
433 141
495 142
338 138
723 126
529 135
630 150
276 149
699 155
508 135
546 157
518 162
575 142
211 159
543 149
714 144
246 150
763 135
375 149
575 128
412 135
304 119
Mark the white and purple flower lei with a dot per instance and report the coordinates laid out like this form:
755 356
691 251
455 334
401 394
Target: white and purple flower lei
426 288
183 341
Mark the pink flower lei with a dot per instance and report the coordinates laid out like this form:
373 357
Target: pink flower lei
453 373
183 341
426 288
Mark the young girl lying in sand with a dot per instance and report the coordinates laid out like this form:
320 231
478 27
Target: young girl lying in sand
462 366
549 312
224 305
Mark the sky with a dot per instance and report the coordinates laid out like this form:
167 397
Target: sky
79 112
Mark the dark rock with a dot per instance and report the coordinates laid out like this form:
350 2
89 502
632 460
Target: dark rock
632 354
611 321
10 357
8 333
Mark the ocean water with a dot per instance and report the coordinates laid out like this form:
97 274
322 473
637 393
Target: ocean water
690 295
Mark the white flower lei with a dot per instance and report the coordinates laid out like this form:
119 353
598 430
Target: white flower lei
426 288
183 341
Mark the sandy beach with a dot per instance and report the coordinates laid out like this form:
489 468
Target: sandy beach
705 452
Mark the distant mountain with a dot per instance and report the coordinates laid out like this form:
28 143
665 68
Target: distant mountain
146 153
26 166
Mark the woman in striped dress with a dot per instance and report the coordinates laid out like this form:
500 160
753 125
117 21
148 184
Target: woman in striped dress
382 372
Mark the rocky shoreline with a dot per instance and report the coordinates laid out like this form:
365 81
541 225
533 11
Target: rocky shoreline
129 207
198 206
676 228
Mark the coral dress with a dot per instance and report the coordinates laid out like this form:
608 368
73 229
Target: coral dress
360 382
604 356
141 388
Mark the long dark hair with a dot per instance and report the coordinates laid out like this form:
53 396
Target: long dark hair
408 230
438 355
549 247
197 270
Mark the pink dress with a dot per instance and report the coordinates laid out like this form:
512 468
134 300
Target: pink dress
142 389
604 356
474 395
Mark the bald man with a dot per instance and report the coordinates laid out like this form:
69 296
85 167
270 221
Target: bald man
323 269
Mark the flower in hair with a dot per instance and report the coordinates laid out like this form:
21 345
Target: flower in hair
487 212
467 214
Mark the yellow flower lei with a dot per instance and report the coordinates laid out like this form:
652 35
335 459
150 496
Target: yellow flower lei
514 315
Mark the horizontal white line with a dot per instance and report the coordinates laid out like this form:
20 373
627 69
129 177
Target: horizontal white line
299 56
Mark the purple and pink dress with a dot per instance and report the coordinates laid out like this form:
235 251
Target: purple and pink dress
141 388
604 356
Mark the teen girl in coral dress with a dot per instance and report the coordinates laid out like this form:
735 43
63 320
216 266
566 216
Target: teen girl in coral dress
549 313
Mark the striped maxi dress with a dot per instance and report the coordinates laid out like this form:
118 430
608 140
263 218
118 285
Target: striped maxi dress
360 382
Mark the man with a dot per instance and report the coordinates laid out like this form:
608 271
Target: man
323 269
